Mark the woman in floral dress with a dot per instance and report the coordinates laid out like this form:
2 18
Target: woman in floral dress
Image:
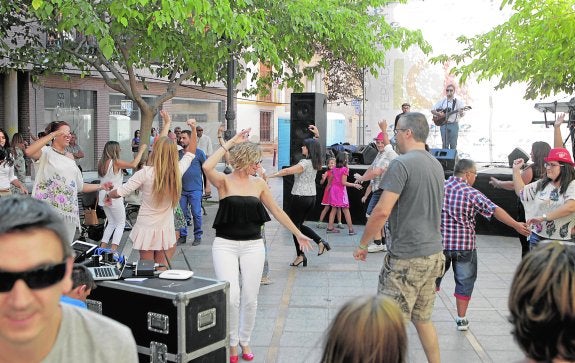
58 179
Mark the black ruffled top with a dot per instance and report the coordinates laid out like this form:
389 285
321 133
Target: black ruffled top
240 218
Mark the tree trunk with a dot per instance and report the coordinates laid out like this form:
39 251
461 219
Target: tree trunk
147 113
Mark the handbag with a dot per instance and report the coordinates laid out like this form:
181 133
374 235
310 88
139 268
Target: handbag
91 217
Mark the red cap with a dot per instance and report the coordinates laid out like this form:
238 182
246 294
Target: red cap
559 154
379 137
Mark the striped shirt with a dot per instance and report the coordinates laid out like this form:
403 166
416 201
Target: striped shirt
460 205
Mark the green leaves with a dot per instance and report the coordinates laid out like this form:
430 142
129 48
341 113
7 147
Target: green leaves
195 38
535 45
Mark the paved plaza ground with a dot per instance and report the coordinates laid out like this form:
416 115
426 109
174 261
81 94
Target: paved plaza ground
294 311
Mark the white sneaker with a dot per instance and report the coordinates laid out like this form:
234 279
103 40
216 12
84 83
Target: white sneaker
376 248
266 281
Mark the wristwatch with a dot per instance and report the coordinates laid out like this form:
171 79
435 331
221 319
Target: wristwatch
544 217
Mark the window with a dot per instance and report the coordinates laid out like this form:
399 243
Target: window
265 126
76 107
265 71
124 120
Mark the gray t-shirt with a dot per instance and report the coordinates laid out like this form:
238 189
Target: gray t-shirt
85 336
304 182
415 219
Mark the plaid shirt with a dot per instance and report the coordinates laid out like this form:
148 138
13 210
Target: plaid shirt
460 205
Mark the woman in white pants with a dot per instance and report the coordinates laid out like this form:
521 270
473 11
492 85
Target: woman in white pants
238 244
110 170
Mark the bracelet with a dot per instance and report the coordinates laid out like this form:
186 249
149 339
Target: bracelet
362 247
219 137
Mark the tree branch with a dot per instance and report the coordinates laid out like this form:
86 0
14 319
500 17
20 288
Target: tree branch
173 86
118 76
131 75
98 66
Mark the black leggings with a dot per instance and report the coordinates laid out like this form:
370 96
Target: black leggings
522 239
299 209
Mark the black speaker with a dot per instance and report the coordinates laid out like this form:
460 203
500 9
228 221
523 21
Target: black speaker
447 157
306 109
365 154
517 153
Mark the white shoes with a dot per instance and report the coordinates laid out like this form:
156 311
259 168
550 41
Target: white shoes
376 248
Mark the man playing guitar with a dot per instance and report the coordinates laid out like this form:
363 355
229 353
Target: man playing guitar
446 113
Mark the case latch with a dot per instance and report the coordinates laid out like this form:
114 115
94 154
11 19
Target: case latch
158 323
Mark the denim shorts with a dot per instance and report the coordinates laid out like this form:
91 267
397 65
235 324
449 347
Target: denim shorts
534 240
464 264
411 283
373 201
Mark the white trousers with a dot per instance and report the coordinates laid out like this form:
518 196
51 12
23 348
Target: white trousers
230 257
116 216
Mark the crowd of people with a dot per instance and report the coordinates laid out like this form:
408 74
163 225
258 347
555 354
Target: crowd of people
425 223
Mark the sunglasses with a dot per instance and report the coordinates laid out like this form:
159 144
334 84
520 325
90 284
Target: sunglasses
35 279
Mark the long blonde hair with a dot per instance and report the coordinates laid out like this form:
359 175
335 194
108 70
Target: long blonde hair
111 152
168 179
366 330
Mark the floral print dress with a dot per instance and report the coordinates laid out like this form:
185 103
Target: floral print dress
58 181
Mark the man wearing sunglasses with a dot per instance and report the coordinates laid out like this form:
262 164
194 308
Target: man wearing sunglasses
35 270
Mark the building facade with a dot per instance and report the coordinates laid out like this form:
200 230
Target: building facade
95 112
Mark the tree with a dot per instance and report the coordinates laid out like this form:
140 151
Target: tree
344 81
193 40
536 45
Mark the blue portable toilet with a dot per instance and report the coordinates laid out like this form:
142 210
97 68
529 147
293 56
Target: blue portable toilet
335 133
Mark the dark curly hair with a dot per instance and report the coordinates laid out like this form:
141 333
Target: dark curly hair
542 302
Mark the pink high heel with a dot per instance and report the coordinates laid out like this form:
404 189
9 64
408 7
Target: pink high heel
234 358
247 356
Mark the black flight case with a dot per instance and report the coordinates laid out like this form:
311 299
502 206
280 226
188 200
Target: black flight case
172 320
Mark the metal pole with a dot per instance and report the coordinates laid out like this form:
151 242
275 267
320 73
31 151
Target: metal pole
230 111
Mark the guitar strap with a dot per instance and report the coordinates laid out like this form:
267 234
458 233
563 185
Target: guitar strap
453 109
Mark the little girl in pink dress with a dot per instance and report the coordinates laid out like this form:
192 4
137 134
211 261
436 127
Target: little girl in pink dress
338 198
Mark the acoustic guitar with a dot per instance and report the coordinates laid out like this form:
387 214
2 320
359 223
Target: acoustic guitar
442 120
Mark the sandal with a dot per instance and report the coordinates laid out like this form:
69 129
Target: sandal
331 230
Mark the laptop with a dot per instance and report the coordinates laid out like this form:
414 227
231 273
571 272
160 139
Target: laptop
82 250
106 272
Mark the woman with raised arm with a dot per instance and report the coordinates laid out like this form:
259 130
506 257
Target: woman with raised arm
529 174
303 193
160 185
110 170
550 202
58 180
238 223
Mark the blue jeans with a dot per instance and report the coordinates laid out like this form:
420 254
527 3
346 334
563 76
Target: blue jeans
375 195
464 271
449 134
194 200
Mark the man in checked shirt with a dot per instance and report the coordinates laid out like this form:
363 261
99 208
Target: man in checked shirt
460 205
